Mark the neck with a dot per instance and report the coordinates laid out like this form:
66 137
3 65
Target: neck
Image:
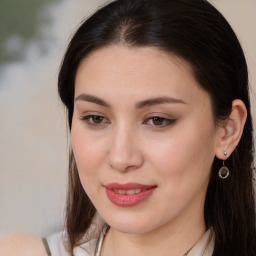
176 238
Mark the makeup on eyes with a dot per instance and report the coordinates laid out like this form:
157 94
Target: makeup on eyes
154 120
94 120
154 112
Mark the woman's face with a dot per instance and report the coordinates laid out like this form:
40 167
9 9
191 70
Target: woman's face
143 138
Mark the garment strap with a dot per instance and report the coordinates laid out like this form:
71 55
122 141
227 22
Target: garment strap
46 245
101 238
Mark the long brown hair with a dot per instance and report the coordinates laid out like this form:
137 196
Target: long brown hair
196 32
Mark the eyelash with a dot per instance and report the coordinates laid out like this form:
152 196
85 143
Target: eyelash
165 121
88 120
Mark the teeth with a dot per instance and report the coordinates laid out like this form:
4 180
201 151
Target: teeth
128 192
119 191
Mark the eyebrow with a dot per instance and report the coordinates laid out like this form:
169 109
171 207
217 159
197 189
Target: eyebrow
158 101
139 105
92 99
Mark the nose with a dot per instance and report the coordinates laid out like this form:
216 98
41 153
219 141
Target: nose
124 152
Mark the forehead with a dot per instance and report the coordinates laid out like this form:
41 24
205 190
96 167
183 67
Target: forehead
144 72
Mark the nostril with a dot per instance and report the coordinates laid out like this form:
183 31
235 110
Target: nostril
125 163
124 154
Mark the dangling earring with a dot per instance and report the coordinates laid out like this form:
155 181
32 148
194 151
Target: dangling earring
224 171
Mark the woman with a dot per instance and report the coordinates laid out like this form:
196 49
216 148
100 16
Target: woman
161 161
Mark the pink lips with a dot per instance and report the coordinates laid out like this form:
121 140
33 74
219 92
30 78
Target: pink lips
129 194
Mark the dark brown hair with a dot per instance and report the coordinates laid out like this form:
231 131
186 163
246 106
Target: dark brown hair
196 32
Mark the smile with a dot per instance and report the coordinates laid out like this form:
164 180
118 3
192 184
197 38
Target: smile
130 194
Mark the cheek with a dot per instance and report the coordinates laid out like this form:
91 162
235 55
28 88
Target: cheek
184 156
183 166
87 153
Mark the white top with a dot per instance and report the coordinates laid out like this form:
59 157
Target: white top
204 247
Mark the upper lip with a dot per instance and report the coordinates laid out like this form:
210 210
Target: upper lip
128 186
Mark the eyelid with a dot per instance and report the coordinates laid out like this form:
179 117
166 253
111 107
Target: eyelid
159 114
86 118
168 120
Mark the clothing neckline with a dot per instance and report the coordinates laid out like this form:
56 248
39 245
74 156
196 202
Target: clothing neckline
101 238
203 247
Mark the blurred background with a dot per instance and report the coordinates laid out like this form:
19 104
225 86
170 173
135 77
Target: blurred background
33 134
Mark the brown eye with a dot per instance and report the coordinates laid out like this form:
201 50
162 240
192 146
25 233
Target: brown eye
158 120
97 119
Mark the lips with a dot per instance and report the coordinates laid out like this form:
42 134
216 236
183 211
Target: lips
129 194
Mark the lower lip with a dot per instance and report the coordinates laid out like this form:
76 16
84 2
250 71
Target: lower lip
128 200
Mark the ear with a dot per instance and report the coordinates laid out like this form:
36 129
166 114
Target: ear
231 130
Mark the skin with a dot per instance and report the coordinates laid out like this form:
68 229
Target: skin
22 245
123 143
127 145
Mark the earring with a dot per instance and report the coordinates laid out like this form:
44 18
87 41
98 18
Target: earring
224 171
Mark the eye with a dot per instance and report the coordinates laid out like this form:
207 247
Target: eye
159 121
97 119
94 120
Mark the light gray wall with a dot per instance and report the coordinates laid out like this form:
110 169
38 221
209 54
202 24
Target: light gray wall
33 141
33 137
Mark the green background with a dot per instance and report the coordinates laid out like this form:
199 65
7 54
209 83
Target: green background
21 18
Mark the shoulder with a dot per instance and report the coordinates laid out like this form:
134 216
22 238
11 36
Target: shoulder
22 245
58 244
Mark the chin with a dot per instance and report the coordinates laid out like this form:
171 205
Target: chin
129 229
135 226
